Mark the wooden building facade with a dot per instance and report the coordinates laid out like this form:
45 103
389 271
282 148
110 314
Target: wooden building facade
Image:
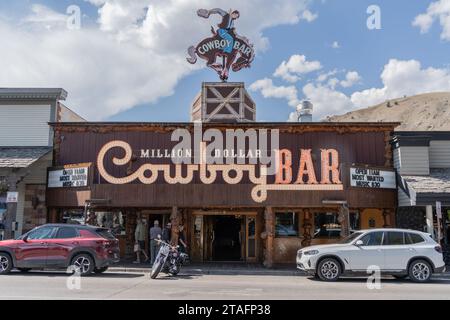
246 211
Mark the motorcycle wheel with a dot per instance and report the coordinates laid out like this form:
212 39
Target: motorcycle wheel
156 269
175 270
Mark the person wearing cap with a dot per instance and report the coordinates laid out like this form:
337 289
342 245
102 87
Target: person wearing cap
155 235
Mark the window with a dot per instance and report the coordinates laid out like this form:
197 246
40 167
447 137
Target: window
66 233
326 224
41 233
114 221
73 216
394 239
286 224
412 238
372 239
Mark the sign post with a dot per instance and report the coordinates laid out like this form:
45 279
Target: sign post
439 220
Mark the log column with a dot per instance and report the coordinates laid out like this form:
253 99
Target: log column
269 235
307 226
175 219
387 216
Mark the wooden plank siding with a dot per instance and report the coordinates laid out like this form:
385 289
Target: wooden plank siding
412 160
80 143
439 154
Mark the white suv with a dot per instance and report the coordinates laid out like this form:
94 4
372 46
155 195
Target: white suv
397 252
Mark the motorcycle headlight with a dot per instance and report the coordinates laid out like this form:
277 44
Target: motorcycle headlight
311 252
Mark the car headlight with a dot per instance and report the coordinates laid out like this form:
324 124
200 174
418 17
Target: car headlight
311 252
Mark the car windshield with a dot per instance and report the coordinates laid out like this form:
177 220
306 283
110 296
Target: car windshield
351 237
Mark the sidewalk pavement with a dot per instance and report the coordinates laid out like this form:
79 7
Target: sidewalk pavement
226 269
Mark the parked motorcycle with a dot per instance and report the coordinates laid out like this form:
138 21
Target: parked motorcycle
169 260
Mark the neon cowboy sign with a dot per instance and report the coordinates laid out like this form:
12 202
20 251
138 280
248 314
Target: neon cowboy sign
236 51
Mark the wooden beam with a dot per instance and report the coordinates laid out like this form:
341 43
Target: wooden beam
269 217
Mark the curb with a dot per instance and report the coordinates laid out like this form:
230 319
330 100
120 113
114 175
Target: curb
187 271
245 272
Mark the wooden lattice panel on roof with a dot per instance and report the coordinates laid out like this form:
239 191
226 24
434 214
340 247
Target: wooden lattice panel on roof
223 102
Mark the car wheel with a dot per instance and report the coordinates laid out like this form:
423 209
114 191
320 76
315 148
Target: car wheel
100 270
420 271
24 270
5 263
329 269
83 264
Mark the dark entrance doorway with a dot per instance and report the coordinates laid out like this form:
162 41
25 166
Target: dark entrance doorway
226 244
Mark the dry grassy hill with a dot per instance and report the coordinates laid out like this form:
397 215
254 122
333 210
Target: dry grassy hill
429 111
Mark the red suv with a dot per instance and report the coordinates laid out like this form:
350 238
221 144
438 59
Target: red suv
87 248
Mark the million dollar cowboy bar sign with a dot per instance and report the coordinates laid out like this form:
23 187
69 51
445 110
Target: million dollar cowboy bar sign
235 165
231 157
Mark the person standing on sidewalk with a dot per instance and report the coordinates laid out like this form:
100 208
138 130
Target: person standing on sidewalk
155 235
182 240
140 234
167 232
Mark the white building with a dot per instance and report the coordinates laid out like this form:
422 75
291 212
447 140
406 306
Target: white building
422 160
26 152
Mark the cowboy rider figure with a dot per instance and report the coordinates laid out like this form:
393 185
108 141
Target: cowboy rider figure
226 27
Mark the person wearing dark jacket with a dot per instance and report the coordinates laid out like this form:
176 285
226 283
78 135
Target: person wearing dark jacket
167 233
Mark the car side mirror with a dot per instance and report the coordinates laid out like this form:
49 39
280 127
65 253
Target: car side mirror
25 238
359 243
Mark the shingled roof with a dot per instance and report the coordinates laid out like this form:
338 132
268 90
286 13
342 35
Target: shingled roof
437 182
21 157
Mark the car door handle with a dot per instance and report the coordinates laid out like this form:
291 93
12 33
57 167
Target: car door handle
75 242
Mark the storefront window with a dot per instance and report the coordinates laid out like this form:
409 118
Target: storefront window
73 216
326 224
286 224
115 220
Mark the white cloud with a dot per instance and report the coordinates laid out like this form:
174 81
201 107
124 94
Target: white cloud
401 78
325 76
309 16
351 78
269 90
296 66
326 101
42 16
438 10
335 45
135 55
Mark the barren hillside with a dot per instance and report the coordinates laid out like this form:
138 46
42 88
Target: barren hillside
430 111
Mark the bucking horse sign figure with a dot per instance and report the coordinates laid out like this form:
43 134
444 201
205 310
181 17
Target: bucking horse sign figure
224 43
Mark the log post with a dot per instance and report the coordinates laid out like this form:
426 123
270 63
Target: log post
387 218
307 225
175 219
270 234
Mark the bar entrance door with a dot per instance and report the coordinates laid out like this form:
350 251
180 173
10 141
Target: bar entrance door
224 237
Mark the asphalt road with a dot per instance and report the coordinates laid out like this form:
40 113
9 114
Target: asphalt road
113 285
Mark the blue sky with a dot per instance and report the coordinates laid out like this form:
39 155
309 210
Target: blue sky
396 49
